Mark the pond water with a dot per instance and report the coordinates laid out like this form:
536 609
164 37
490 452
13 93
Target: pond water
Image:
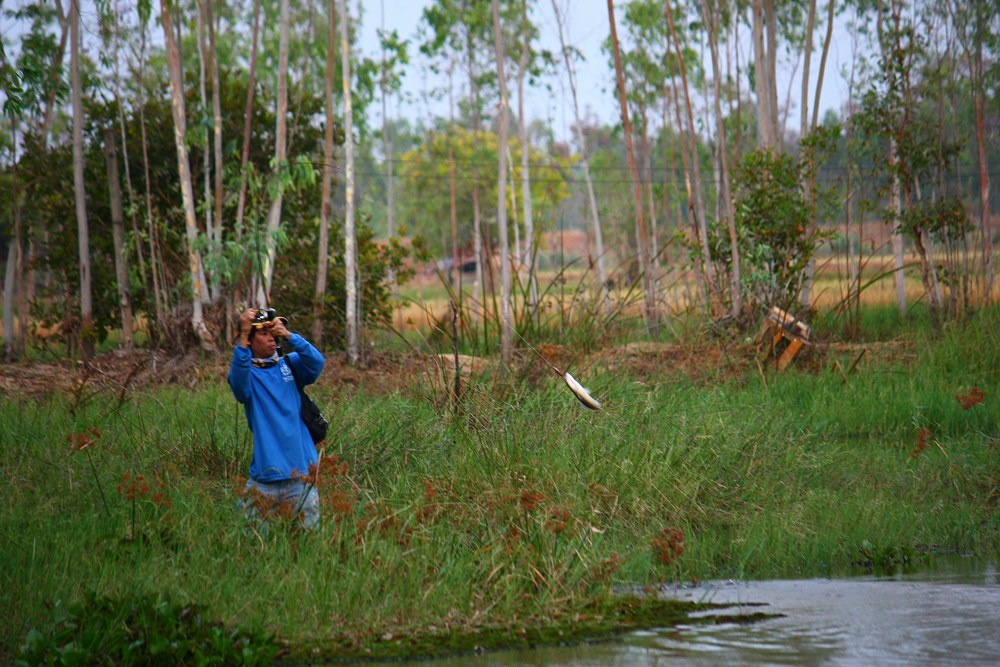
946 615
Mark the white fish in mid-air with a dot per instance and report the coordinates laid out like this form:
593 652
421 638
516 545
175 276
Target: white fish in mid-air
581 392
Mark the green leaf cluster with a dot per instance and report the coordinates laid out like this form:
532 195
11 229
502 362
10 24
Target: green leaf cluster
142 629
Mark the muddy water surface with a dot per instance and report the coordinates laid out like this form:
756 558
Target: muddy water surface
947 615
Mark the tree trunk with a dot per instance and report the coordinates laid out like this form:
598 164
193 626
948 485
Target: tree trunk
649 296
697 210
206 153
247 117
118 237
477 218
595 218
527 213
159 299
806 64
350 252
979 103
326 205
647 167
895 201
456 254
811 187
184 173
79 190
43 130
218 195
725 196
390 192
12 270
503 112
280 158
764 72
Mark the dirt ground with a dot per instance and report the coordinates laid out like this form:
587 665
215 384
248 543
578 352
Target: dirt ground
119 373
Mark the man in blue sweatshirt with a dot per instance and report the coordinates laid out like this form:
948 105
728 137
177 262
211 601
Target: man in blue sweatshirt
283 450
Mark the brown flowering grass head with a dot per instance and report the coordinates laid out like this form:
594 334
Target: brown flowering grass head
531 499
603 494
84 439
558 520
133 486
341 502
606 569
974 397
668 545
429 511
924 436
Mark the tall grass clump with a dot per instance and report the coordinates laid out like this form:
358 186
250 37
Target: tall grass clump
512 508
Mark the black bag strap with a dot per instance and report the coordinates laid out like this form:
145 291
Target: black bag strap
298 384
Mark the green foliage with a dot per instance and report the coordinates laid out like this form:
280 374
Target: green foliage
425 173
776 236
295 277
142 629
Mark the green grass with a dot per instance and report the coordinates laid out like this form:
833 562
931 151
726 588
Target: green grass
521 508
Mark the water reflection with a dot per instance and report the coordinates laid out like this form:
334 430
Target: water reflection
949 614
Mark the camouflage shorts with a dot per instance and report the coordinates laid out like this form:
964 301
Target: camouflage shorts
290 499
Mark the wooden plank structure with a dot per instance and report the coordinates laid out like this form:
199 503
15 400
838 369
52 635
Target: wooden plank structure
779 325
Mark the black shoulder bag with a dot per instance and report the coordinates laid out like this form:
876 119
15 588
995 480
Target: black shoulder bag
311 415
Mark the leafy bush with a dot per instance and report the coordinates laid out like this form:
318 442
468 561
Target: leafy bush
142 630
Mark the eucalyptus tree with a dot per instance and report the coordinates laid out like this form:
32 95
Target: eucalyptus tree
394 57
31 83
111 40
649 295
463 26
903 139
531 64
503 113
645 71
213 222
184 174
280 156
765 39
326 202
569 53
155 264
79 187
118 237
425 207
350 240
692 168
805 127
977 27
247 117
711 13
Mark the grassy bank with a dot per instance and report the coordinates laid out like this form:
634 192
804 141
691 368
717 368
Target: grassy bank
521 509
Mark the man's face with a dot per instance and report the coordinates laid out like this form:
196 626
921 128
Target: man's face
263 344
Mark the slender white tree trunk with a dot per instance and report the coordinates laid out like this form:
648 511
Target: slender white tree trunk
280 155
79 189
895 202
118 238
506 326
326 205
581 139
184 172
350 251
725 196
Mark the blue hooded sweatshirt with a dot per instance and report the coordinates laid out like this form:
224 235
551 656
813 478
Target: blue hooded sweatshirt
282 446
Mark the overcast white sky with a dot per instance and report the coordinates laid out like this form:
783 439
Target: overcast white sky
587 28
